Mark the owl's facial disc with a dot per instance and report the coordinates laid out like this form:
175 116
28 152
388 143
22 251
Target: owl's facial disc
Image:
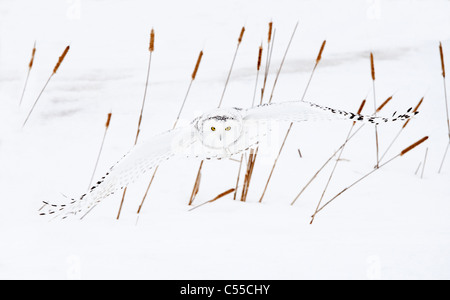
220 130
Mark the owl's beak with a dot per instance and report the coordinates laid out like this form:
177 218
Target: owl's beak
220 137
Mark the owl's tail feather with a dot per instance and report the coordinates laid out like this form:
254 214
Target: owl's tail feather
368 119
80 205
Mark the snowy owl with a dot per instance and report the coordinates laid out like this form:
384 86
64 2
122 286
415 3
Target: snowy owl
218 134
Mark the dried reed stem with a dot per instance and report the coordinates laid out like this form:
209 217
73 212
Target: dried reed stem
249 173
196 188
361 107
258 66
55 69
150 49
232 64
238 177
372 69
282 62
30 66
100 151
193 76
270 42
406 150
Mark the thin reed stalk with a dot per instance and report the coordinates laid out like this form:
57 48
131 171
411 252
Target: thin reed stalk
151 49
402 153
232 64
30 66
270 43
441 52
100 151
372 69
282 62
238 177
55 69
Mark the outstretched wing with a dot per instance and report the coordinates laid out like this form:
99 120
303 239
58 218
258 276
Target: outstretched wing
305 111
141 158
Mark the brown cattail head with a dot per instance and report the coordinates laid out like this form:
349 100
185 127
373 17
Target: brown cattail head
372 66
108 120
319 57
32 56
241 35
61 58
151 48
269 37
406 150
222 195
415 110
384 104
442 59
361 107
197 65
259 58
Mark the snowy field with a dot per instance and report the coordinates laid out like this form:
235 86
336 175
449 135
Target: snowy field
392 225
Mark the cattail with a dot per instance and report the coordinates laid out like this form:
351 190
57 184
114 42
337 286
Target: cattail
197 65
415 110
221 195
241 35
152 41
384 104
58 64
108 120
319 57
30 65
231 67
407 149
269 35
60 60
258 66
372 66
442 59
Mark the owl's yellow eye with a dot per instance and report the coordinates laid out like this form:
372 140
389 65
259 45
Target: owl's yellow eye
228 128
213 128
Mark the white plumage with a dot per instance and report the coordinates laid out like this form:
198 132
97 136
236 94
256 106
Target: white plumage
218 134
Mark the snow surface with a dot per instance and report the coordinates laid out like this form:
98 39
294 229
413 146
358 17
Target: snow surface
393 225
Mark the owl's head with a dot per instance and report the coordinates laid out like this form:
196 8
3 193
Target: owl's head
220 128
